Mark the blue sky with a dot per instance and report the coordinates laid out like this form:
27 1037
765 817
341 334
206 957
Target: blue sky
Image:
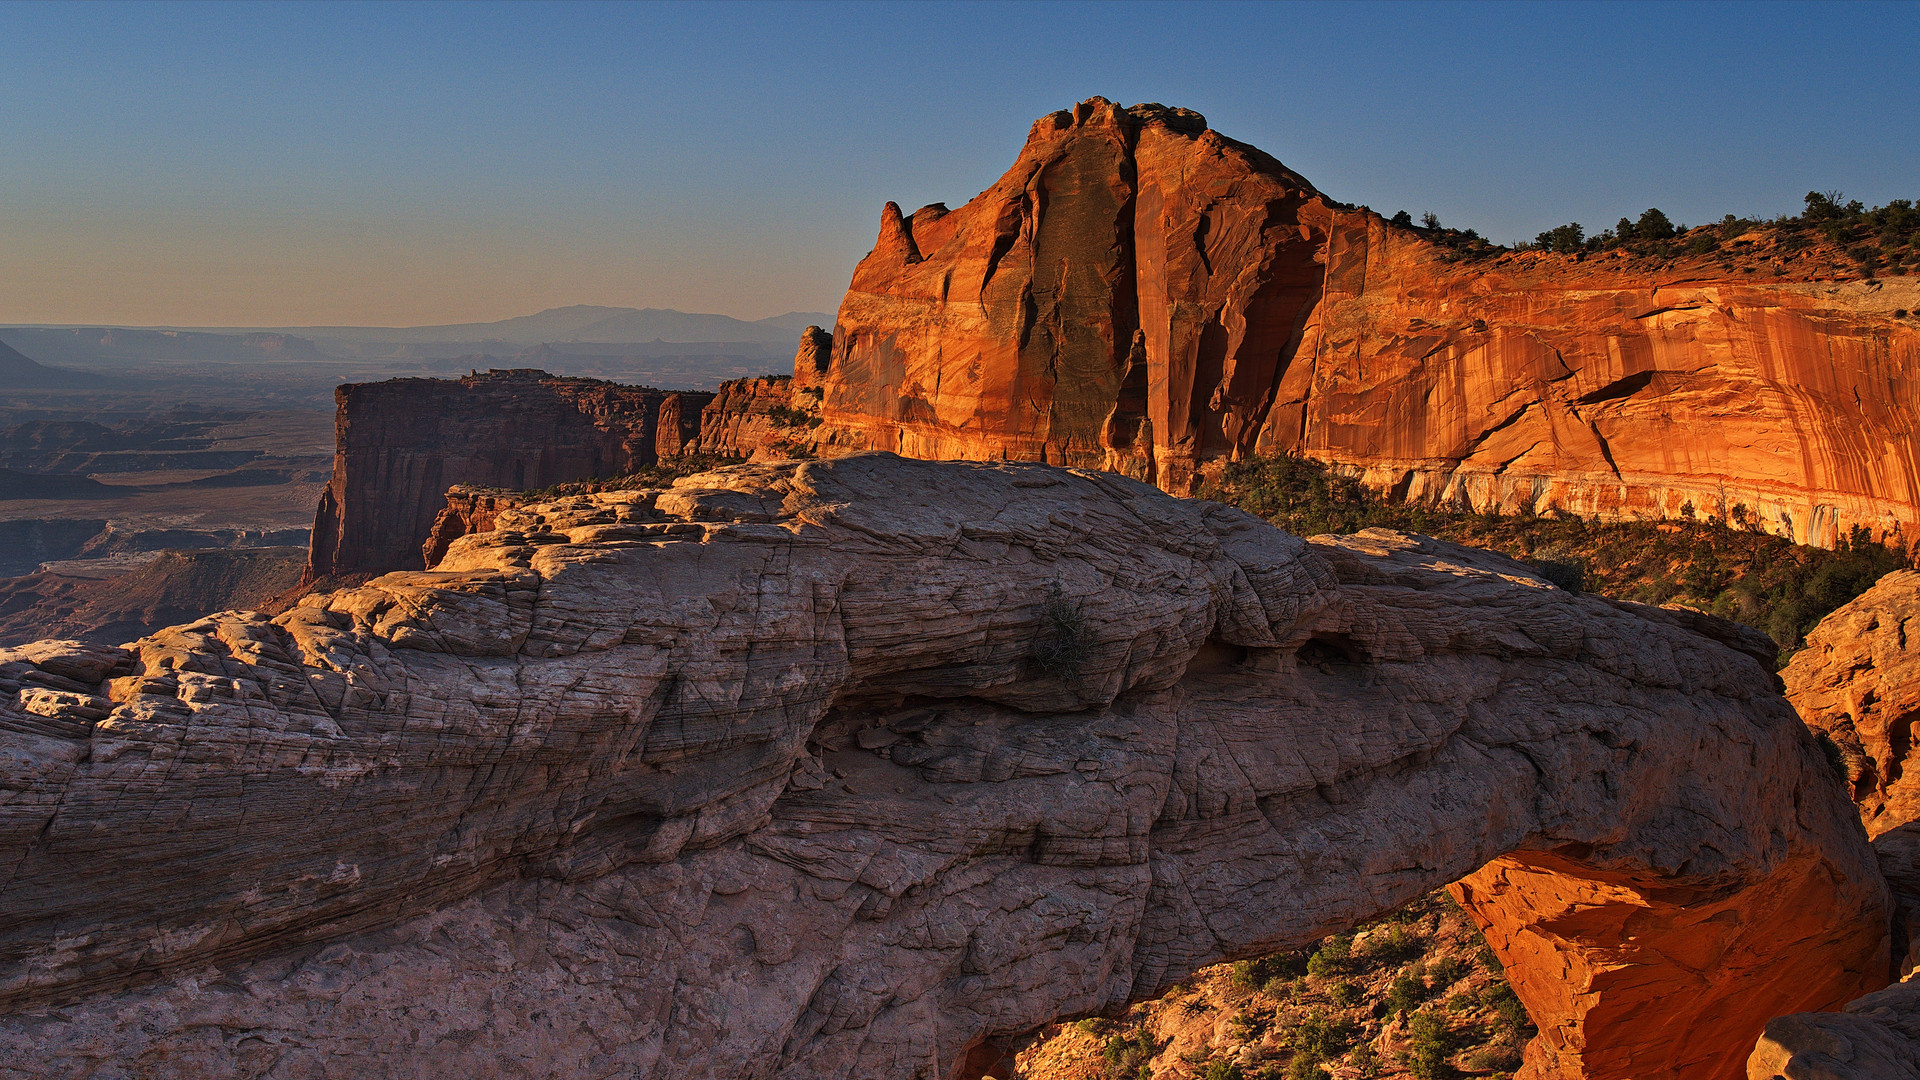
284 164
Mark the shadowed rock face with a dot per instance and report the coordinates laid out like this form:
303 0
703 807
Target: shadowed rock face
840 767
1876 1037
1142 294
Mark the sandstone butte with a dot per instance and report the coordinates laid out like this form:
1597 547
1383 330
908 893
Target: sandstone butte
845 768
1142 294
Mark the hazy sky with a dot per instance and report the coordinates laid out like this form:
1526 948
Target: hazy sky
403 164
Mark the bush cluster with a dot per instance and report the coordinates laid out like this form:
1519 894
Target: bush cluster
1128 1055
789 417
1462 244
1880 238
1877 238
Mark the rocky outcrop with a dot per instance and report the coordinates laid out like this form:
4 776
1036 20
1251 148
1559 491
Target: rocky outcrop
841 767
750 417
468 510
1874 1038
1140 293
772 417
401 443
1858 681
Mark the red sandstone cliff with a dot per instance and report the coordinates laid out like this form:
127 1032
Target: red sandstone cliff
400 444
1142 294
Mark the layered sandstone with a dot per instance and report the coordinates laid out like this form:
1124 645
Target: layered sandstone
842 767
400 444
468 510
1141 294
1858 681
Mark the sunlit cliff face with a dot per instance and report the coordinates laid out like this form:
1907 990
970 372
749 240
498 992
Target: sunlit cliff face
1141 294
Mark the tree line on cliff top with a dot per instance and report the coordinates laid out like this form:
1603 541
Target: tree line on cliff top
1725 565
1878 239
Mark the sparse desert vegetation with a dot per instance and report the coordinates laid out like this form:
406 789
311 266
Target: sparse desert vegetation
1416 994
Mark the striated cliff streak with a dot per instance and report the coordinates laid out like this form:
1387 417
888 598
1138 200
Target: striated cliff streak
837 768
1142 294
400 444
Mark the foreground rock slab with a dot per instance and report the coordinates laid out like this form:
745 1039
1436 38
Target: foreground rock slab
840 768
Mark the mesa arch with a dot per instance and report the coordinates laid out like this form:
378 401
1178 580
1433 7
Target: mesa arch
759 777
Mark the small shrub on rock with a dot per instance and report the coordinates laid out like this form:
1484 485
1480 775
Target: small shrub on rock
1331 957
1429 1042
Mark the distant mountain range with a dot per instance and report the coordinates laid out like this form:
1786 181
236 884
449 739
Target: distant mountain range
120 345
588 323
636 330
299 366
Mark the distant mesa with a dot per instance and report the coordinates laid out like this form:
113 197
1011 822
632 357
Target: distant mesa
18 372
25 485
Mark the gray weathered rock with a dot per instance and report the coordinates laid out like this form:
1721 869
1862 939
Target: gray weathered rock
836 768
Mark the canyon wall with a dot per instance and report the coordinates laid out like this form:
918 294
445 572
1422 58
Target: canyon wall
400 444
841 767
1141 294
751 417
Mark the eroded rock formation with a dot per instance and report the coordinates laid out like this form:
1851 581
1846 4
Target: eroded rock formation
751 417
1858 680
400 444
1141 294
837 768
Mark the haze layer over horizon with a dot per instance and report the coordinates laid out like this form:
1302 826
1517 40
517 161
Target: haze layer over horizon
346 165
